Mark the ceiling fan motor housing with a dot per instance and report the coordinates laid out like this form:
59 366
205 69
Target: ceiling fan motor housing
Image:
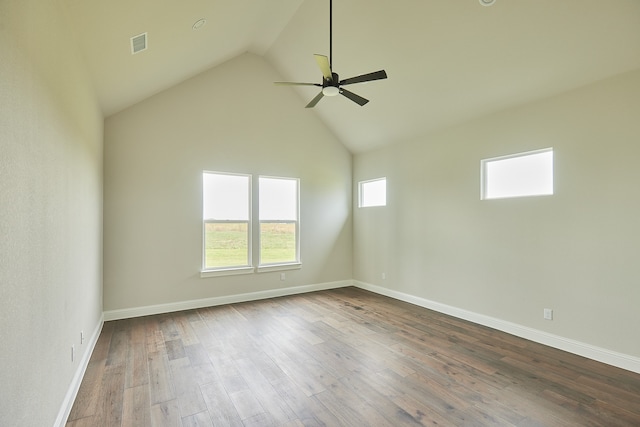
331 87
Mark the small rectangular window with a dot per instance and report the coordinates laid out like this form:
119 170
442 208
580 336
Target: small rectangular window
226 220
279 224
518 175
372 193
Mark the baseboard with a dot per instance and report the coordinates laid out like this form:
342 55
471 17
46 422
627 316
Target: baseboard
72 392
599 354
148 310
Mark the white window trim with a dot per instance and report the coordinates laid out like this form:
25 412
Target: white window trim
484 178
265 268
227 271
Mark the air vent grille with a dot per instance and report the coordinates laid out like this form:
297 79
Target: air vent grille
138 43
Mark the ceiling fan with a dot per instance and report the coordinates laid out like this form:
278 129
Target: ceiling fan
331 84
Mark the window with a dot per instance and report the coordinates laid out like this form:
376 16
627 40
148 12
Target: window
228 220
278 212
373 193
518 175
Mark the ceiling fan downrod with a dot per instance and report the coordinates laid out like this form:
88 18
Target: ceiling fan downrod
331 34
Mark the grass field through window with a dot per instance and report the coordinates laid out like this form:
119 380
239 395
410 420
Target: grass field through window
227 244
277 243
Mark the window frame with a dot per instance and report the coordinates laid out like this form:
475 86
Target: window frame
484 174
253 230
361 191
262 267
228 270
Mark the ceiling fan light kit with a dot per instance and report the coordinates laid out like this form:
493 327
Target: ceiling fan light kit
330 91
331 84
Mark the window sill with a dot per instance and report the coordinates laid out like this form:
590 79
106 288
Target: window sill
279 267
226 272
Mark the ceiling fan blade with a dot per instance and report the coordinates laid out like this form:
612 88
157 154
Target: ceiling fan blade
296 84
325 67
377 75
352 96
315 100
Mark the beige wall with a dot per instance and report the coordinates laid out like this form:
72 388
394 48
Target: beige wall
50 212
230 119
575 252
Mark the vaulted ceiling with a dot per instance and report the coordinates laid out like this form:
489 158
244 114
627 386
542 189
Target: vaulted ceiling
448 61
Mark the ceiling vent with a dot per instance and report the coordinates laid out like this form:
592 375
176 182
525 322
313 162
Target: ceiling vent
138 43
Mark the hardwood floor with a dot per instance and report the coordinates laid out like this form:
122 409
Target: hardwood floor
343 357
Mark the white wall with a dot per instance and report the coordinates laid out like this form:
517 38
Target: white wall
50 212
230 119
575 252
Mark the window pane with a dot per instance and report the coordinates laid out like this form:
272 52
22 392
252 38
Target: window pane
278 199
226 244
373 193
528 174
226 213
277 242
278 220
226 197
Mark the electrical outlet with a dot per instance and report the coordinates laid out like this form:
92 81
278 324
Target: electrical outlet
283 276
81 337
548 314
384 276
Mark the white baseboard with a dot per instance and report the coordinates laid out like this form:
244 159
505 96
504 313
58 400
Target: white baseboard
127 313
72 392
589 351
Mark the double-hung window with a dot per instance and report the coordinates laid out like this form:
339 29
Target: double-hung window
229 218
226 221
278 212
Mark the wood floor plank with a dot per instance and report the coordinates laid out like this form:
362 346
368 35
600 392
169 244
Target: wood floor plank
101 349
219 404
110 401
136 411
350 408
84 422
168 326
201 419
298 366
308 409
137 368
186 387
88 397
343 357
264 391
155 339
160 382
395 415
246 404
186 331
166 414
119 346
175 349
